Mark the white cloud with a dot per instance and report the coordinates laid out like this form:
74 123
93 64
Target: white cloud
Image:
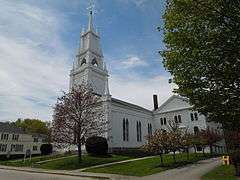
137 3
33 61
139 90
133 61
35 64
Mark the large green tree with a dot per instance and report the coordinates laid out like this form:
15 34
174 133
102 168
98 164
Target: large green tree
202 53
33 126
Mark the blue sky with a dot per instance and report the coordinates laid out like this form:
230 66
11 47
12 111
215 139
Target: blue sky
38 41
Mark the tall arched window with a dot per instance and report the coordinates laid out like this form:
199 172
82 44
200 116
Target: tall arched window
125 129
139 131
179 119
196 116
175 119
192 117
161 120
149 129
165 121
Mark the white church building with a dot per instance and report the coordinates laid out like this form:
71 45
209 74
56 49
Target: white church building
130 123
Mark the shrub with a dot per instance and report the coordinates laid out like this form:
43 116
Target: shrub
97 145
46 149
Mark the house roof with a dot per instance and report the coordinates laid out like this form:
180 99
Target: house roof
10 128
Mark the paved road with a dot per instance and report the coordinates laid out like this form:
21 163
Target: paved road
18 175
191 172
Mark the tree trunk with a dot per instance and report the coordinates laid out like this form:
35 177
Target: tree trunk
187 153
161 159
195 151
237 169
203 150
79 152
211 149
174 156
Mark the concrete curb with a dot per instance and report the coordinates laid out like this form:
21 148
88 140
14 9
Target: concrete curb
66 173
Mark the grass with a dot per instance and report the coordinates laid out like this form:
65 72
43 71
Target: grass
72 163
28 163
221 173
148 166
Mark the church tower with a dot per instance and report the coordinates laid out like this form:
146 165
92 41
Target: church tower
88 66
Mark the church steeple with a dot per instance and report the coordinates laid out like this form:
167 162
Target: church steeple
90 21
89 66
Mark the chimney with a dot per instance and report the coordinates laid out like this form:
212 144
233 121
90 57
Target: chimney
155 101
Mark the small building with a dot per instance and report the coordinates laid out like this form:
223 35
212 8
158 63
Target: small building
15 141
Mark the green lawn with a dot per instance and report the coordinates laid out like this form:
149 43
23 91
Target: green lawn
221 173
148 166
72 163
28 163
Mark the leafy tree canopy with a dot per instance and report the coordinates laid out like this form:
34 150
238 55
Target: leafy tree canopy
203 55
33 126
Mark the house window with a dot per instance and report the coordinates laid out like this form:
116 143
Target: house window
125 130
196 116
179 119
15 137
4 136
192 117
139 131
17 148
3 147
35 148
35 140
149 129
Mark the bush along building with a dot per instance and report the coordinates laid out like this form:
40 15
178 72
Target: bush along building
129 124
14 141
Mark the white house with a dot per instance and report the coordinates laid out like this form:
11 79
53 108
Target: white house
14 141
129 123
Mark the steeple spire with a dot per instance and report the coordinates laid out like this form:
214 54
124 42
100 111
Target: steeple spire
90 23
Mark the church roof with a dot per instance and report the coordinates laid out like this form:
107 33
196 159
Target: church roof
130 105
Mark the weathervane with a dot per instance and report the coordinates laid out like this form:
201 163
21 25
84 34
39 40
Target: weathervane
91 6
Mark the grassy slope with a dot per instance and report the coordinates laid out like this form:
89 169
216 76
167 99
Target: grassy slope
221 173
72 163
27 163
147 166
